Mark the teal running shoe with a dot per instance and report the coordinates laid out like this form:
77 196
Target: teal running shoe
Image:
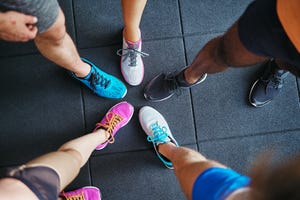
101 83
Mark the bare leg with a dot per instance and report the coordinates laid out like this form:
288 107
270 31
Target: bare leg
71 156
56 45
132 13
220 53
188 165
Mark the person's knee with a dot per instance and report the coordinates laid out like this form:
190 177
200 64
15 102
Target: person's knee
56 33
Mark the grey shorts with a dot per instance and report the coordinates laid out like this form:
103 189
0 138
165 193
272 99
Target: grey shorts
45 11
43 181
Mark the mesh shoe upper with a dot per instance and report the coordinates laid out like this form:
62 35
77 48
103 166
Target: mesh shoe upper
85 193
268 86
132 66
164 86
157 130
103 84
117 117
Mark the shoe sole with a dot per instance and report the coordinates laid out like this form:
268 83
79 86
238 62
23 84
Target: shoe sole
155 100
158 100
249 97
124 94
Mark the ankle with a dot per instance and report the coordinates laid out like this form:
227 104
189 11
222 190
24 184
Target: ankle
83 71
190 77
132 35
105 135
185 80
163 148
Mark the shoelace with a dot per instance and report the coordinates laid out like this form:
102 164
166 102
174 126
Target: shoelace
74 197
173 84
159 133
131 53
277 81
97 79
112 121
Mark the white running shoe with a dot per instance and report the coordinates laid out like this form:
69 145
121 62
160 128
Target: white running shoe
132 66
157 130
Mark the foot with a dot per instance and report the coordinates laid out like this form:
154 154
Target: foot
132 66
87 193
117 117
101 83
268 86
164 86
157 131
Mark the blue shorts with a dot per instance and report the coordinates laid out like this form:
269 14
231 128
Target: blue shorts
217 183
46 11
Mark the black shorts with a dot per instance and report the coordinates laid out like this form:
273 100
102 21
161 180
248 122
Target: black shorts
42 181
45 10
262 33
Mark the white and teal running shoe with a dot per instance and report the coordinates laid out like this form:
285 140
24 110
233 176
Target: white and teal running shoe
157 130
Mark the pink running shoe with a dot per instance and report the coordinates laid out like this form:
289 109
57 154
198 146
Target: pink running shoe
85 193
117 117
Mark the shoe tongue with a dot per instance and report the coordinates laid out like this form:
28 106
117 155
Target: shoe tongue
282 73
133 45
181 80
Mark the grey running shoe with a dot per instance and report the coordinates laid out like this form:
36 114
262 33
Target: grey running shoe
163 86
132 66
268 86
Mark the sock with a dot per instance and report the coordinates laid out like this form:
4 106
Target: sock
133 45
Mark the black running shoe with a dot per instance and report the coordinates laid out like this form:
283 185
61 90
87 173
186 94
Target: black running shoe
163 86
268 86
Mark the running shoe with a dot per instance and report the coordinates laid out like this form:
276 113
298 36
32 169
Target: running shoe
268 86
132 66
101 83
157 131
85 193
117 117
164 86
